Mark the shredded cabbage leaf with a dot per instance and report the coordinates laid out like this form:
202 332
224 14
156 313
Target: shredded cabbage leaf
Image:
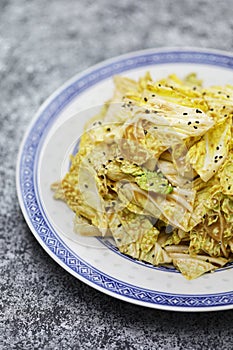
154 170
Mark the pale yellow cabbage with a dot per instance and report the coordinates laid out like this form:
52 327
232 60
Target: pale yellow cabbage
154 170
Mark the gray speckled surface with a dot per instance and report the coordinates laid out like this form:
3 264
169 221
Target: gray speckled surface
42 44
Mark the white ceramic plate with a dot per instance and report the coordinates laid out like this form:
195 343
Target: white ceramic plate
44 158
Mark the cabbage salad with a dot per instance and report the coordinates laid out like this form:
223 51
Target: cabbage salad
154 170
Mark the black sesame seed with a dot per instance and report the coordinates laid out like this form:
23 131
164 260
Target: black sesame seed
155 112
152 184
217 148
211 109
194 88
216 157
99 123
102 176
228 96
225 115
216 161
185 113
119 225
223 107
147 111
197 122
220 157
229 187
198 111
153 95
153 255
204 93
86 186
103 165
195 127
104 153
155 127
189 123
219 92
108 129
145 132
159 85
145 99
121 158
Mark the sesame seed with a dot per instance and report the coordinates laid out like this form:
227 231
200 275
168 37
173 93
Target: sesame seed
108 129
225 115
189 123
211 109
197 122
220 157
119 225
216 161
104 153
228 96
217 148
145 99
145 132
153 95
159 85
195 127
121 158
86 186
152 184
155 127
198 111
147 111
185 113
102 176
223 107
229 187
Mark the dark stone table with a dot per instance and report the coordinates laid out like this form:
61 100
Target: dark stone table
42 44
